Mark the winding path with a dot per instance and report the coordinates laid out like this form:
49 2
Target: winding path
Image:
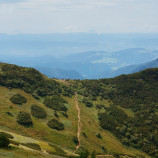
79 128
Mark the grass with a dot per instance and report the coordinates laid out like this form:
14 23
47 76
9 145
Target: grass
129 112
32 146
40 130
91 128
14 152
41 134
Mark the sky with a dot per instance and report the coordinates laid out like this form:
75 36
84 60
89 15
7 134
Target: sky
68 16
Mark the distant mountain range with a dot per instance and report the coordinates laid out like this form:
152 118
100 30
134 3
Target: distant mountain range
130 69
79 55
88 65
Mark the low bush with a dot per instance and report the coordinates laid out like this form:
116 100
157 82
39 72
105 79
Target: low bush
4 141
89 104
9 114
65 114
56 103
56 114
75 140
18 99
38 112
7 135
100 106
24 118
84 134
55 124
99 135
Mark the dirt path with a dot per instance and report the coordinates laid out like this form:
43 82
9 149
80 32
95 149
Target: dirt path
79 128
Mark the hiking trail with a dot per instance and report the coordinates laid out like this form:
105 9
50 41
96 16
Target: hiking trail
79 127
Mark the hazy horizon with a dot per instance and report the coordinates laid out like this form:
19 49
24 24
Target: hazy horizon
91 16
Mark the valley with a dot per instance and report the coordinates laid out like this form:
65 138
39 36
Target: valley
68 117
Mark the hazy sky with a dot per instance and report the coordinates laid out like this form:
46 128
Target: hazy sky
99 16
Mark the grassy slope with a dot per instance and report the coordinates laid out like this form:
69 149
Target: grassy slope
20 153
109 142
40 129
62 138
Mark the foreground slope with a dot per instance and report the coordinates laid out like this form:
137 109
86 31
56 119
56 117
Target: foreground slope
133 113
96 99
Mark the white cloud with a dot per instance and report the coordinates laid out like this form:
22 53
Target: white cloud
49 16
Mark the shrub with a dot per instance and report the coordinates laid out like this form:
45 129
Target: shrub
18 99
7 135
4 141
65 114
84 134
55 124
107 121
9 114
24 118
56 114
38 112
100 106
103 148
93 155
99 136
84 154
75 140
56 103
89 104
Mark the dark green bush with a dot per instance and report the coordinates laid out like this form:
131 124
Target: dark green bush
99 135
93 154
7 135
18 99
65 114
38 112
55 124
24 118
107 121
56 103
84 154
84 134
9 114
56 114
100 106
89 104
75 140
4 141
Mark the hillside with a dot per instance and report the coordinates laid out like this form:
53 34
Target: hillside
41 113
60 73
